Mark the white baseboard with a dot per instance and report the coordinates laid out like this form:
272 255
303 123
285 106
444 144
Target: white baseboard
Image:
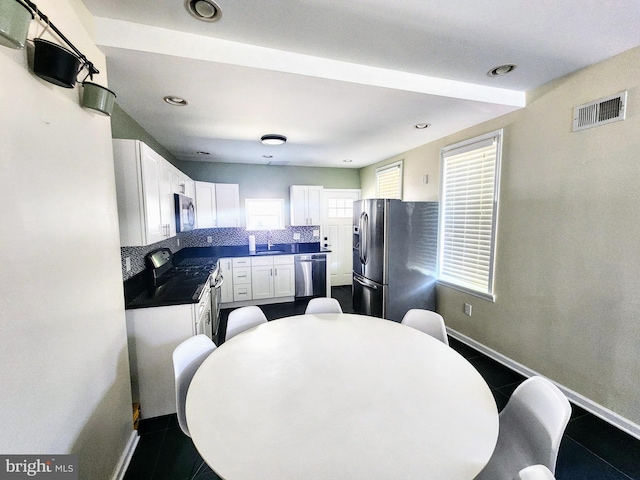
598 410
125 458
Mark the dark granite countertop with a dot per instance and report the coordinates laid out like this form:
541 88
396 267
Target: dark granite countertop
140 292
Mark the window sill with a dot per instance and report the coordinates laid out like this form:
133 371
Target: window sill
485 296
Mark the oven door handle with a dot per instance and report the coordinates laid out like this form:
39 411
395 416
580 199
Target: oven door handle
219 282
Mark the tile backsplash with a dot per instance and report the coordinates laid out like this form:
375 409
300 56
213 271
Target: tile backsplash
218 236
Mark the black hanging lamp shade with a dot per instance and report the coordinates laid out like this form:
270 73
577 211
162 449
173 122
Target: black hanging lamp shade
55 64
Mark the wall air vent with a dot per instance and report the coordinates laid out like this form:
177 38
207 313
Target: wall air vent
606 110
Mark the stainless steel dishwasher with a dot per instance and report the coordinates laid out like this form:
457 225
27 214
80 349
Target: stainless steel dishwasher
311 275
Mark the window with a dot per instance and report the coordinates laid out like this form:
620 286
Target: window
470 179
340 208
264 213
389 181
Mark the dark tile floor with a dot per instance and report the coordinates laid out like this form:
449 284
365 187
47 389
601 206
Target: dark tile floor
590 450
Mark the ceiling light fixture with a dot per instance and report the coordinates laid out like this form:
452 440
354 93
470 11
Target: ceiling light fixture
267 156
273 139
347 160
175 101
202 152
205 10
422 126
501 70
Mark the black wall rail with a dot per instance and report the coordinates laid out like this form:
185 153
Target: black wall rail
85 61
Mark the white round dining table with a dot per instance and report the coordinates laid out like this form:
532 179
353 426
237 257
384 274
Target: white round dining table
340 396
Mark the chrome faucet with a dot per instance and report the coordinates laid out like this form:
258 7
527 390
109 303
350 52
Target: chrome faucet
269 242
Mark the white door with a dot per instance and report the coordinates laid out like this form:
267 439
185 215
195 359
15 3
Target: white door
337 232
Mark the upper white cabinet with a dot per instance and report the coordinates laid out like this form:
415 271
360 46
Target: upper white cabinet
205 205
305 204
217 205
143 184
228 204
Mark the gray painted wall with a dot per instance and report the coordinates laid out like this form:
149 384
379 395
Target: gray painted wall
65 384
567 268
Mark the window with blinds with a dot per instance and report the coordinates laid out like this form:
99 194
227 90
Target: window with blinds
389 181
470 175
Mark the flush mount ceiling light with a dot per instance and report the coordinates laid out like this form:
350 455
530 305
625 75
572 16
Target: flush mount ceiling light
501 70
422 126
176 101
273 139
205 10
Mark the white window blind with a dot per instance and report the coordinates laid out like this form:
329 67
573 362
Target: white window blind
469 201
389 181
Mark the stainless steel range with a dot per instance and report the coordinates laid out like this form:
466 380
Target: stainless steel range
189 282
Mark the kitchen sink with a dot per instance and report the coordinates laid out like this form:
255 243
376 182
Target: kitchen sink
270 252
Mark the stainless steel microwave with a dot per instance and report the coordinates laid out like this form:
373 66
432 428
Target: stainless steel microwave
185 213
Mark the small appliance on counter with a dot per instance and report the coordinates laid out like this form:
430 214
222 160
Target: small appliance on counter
185 213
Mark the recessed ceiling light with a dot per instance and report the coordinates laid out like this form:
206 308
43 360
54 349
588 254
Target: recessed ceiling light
422 126
501 70
176 101
273 139
267 156
347 160
202 152
205 10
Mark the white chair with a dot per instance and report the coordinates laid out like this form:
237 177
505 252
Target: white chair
242 319
428 322
531 427
535 472
323 305
187 357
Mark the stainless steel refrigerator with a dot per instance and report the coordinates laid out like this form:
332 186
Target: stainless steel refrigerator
395 247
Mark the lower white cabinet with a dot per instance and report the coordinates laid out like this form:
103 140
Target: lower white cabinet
259 278
226 290
153 333
284 280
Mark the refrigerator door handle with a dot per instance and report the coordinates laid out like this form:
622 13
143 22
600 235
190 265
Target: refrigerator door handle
365 283
364 237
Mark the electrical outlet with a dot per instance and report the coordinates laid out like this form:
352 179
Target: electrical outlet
209 239
178 240
127 264
467 309
296 236
316 233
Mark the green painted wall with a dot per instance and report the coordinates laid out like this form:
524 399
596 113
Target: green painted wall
265 181
256 181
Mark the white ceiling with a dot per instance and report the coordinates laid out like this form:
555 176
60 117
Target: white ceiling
342 79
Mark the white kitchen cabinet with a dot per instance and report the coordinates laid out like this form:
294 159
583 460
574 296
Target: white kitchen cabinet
242 284
262 278
205 196
141 185
304 201
284 284
217 205
272 277
153 334
169 185
187 186
258 279
228 205
226 291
